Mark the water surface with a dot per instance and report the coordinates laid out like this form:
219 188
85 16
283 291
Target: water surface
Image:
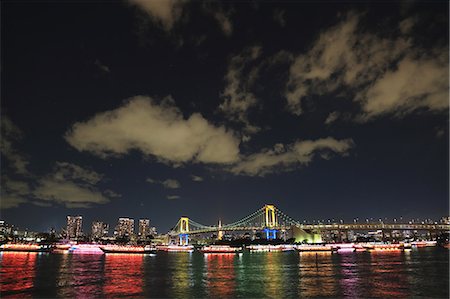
415 273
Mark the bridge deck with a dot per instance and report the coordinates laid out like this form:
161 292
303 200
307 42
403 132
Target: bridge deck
381 226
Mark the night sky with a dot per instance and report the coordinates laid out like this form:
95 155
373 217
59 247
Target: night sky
159 109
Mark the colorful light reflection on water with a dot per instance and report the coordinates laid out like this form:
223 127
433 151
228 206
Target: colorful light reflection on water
422 272
17 273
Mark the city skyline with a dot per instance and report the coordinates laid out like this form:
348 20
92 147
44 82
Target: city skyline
210 109
102 226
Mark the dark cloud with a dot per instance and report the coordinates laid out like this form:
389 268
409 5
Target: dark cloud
383 75
11 135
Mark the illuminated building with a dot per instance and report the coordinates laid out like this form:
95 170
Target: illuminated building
74 227
153 231
99 229
144 228
125 227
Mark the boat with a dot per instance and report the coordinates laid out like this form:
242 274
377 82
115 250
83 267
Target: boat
85 249
343 247
175 248
63 246
303 248
406 245
419 244
359 248
128 249
288 247
220 249
26 247
430 243
265 248
384 247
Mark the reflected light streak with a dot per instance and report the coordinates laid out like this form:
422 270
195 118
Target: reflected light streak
221 277
17 272
317 275
350 276
182 273
80 275
123 274
388 277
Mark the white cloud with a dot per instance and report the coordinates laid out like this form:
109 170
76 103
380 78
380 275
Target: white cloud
407 25
111 194
279 17
223 18
13 192
168 184
383 75
237 97
104 68
416 83
69 171
196 178
15 187
68 193
11 201
10 135
283 158
332 117
72 186
164 12
171 184
158 130
224 22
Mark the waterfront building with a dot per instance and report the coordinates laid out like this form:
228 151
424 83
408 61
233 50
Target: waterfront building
5 229
74 224
125 227
144 228
153 231
99 230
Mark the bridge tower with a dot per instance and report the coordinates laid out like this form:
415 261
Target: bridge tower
183 227
270 222
220 232
269 212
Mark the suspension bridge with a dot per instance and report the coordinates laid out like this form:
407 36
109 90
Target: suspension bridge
271 221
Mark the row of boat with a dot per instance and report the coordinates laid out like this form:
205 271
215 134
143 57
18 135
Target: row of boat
95 248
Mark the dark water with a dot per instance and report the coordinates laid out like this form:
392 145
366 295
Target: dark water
415 273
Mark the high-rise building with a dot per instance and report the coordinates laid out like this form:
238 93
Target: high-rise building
125 227
99 229
74 224
144 228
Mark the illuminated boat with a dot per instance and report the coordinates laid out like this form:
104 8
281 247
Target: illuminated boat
359 248
288 247
26 247
175 248
63 246
345 248
85 249
418 244
269 248
406 245
384 247
128 249
424 243
430 243
220 249
314 248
